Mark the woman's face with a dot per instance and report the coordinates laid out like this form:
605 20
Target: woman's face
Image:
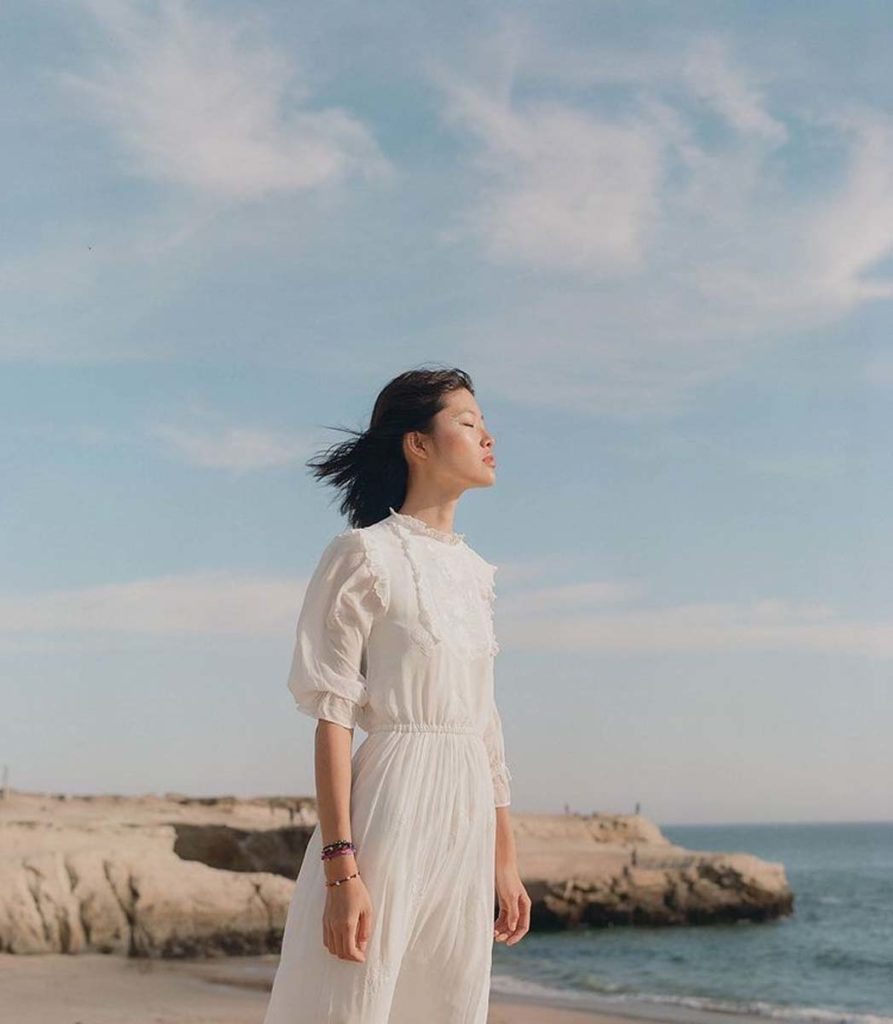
460 445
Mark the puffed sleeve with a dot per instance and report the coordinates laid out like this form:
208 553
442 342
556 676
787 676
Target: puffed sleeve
327 677
499 770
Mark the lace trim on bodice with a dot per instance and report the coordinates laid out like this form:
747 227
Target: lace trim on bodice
455 593
489 588
424 634
412 522
374 566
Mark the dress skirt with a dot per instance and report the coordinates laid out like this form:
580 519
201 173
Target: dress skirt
423 821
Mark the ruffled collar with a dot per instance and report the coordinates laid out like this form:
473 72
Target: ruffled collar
420 526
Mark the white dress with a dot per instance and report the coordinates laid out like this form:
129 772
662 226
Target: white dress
396 635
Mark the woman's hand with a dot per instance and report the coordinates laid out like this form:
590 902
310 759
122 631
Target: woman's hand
347 918
513 921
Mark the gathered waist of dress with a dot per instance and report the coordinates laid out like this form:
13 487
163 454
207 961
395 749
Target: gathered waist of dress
461 727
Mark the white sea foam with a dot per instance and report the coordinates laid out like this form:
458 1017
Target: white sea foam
645 1004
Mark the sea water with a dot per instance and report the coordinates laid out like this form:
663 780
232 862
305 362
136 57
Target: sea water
831 961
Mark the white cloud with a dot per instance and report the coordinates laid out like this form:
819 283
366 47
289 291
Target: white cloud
709 71
528 622
570 190
658 257
236 448
217 113
531 619
851 234
196 603
636 256
197 102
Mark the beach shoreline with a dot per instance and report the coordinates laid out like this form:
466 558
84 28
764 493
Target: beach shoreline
109 989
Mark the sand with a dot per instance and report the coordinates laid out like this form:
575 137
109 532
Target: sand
95 989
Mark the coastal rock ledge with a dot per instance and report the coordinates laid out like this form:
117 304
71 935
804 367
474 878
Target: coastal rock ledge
172 875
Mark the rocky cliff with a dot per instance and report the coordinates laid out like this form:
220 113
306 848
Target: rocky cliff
166 876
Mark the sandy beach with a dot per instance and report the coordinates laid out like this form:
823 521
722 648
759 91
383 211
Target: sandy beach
96 989
198 889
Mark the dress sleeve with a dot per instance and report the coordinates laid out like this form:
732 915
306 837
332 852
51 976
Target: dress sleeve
493 737
327 677
499 770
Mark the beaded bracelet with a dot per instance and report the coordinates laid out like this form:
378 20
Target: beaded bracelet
337 849
332 854
339 881
337 843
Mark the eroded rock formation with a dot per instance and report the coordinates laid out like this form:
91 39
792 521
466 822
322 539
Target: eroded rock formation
177 876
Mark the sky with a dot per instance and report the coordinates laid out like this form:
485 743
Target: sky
658 236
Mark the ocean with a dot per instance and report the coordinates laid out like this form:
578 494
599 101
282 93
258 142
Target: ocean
831 961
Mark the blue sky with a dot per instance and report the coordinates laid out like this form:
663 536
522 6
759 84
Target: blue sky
660 239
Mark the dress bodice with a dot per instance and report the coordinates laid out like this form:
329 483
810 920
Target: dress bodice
453 585
397 629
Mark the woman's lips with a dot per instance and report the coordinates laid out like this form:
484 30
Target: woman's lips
490 460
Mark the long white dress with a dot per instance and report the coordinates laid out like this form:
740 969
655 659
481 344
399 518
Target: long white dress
396 635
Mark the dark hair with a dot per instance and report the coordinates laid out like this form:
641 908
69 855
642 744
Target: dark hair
370 468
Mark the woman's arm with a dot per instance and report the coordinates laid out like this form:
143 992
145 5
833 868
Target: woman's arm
513 922
347 919
514 903
333 745
327 681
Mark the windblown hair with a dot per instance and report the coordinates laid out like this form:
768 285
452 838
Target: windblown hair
370 468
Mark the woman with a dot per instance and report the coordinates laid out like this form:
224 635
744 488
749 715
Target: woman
391 921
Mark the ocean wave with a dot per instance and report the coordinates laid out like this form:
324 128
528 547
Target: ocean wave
760 1008
601 997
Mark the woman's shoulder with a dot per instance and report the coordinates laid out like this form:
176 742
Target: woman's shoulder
363 544
487 568
343 545
377 539
371 542
357 547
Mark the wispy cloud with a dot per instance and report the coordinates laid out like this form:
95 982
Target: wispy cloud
642 220
563 619
666 252
176 605
708 68
213 106
235 448
211 112
527 621
567 189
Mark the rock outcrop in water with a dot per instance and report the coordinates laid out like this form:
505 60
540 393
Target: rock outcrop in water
620 869
179 876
